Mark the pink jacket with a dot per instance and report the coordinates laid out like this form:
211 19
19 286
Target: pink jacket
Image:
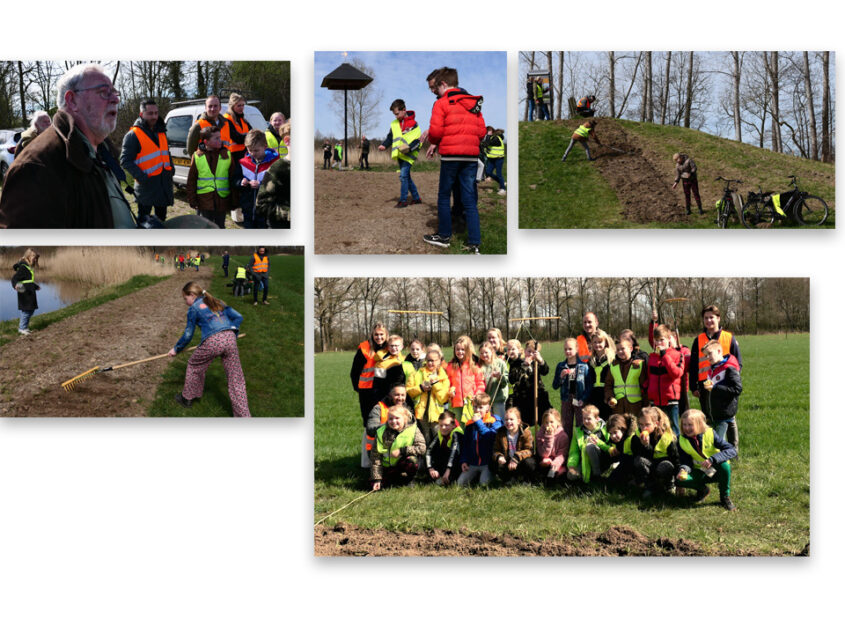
467 382
554 446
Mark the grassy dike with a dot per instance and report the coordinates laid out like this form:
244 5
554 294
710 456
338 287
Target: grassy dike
771 478
272 352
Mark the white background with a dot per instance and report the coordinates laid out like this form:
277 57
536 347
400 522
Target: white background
112 525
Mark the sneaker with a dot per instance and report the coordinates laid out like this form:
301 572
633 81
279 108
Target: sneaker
255 303
401 204
24 332
502 192
702 493
729 506
472 249
266 303
184 402
437 240
416 201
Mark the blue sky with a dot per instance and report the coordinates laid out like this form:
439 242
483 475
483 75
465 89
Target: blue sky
401 75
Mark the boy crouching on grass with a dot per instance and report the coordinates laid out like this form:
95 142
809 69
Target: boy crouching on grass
477 445
513 450
404 142
395 454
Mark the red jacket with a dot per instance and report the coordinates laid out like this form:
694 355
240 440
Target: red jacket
664 376
467 383
453 127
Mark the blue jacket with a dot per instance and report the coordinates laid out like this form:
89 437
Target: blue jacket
477 443
210 323
583 386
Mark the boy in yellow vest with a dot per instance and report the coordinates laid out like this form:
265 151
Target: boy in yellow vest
580 136
211 178
404 142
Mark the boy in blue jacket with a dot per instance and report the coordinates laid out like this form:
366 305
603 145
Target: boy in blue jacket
477 443
571 379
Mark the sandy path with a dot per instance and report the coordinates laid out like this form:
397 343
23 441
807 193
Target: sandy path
138 325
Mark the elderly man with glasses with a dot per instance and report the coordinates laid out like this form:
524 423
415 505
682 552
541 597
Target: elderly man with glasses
68 176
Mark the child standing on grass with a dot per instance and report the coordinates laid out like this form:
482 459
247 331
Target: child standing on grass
705 457
626 379
477 443
495 373
522 378
219 325
23 281
397 449
456 129
552 447
723 385
655 451
603 352
403 139
571 378
429 389
513 450
210 179
444 450
254 168
388 368
665 367
465 378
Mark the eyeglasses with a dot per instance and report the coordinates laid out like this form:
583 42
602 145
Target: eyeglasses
104 91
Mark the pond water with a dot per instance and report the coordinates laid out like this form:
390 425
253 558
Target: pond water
52 296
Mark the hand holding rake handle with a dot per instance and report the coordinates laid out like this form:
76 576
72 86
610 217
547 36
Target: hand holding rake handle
79 378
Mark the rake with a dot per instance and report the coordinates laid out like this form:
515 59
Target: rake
71 384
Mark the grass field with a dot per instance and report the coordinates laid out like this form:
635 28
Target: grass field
9 328
771 483
272 352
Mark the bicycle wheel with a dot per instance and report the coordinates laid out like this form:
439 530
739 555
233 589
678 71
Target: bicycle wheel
725 214
757 215
812 211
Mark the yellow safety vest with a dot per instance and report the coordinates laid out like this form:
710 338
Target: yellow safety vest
661 449
241 274
598 370
208 182
496 151
31 275
707 447
406 138
583 131
404 439
627 388
276 144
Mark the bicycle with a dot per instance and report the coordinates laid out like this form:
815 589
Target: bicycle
727 205
763 208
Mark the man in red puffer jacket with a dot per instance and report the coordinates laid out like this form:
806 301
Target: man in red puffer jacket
456 128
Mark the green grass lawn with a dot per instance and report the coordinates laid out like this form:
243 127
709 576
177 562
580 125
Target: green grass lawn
9 328
272 352
771 478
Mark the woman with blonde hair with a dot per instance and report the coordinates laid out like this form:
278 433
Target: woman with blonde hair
23 281
219 325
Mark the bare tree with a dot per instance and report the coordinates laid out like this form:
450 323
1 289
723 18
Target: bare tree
688 104
826 110
664 105
362 104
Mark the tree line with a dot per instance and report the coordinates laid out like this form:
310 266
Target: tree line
346 308
27 86
781 100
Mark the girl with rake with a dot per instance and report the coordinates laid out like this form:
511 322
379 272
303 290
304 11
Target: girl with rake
219 324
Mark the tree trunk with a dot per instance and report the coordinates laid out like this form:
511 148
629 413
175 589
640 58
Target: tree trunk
736 102
22 90
551 92
826 148
664 106
808 88
774 95
612 61
649 114
559 85
688 105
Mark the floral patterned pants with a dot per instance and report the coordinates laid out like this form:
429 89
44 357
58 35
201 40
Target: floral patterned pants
224 345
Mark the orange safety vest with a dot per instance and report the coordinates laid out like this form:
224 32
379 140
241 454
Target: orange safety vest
224 131
584 353
242 129
152 158
259 265
368 372
383 413
703 363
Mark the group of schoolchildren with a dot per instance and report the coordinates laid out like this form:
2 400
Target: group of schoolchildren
468 150
624 415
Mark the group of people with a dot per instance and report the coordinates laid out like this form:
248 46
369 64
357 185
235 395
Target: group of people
256 273
68 174
537 99
624 415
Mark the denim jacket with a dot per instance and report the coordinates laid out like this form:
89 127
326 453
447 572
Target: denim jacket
210 323
582 385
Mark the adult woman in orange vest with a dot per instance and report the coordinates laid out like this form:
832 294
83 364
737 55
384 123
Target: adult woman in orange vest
146 156
260 269
364 368
711 317
238 127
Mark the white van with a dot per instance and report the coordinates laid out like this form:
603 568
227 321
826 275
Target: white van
179 121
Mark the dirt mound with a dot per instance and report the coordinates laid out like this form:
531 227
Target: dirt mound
642 185
355 212
346 540
139 325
